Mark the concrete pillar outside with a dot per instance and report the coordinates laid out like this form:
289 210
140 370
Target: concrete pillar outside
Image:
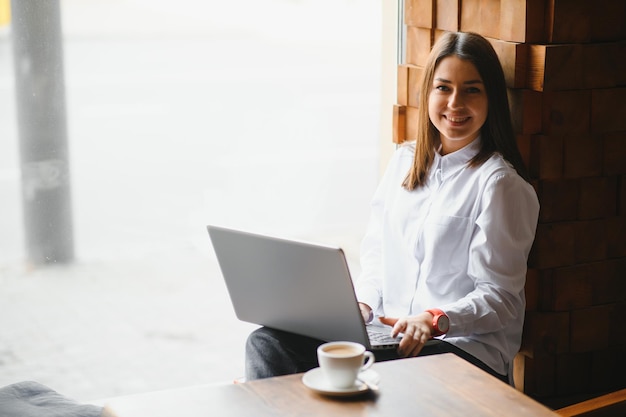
40 99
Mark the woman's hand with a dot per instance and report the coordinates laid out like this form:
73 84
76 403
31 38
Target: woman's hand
417 331
366 312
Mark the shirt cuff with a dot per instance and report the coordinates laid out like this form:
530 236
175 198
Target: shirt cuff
370 297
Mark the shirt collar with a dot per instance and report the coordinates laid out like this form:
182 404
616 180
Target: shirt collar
447 165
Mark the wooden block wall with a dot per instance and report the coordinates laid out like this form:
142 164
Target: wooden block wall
565 67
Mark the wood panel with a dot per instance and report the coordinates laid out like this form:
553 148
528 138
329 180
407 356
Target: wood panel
526 113
399 124
470 16
559 200
546 157
568 21
582 156
447 15
608 110
614 155
514 59
522 20
413 86
419 13
555 67
567 112
403 85
418 44
598 197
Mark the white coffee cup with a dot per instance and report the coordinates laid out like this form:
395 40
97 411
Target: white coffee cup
341 362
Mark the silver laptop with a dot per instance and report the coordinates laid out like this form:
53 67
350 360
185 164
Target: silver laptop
298 287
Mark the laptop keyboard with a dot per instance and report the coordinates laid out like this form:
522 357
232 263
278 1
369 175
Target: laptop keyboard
378 337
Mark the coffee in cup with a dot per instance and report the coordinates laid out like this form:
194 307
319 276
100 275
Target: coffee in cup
341 362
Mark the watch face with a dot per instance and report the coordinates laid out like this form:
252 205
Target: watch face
443 323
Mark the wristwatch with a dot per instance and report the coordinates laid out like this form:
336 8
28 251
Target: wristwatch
441 322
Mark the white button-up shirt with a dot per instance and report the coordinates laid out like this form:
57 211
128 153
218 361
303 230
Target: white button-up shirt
460 243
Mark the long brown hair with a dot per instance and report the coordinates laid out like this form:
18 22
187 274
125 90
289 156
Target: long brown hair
496 133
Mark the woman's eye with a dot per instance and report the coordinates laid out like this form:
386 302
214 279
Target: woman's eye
473 90
442 88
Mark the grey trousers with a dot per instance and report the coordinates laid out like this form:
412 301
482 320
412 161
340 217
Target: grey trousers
271 352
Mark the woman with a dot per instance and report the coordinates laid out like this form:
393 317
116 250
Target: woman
451 227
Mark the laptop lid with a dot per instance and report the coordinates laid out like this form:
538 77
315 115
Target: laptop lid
294 286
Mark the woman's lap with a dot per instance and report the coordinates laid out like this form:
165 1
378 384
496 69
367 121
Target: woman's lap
271 352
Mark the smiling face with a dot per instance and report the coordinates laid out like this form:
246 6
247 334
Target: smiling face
457 103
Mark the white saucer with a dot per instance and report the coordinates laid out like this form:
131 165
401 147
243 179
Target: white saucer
315 380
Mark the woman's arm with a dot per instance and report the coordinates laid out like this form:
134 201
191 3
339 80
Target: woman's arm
504 233
370 282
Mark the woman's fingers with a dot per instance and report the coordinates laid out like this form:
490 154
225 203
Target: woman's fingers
415 336
416 350
415 330
389 321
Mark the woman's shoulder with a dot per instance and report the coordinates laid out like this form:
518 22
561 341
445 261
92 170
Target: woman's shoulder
497 165
405 150
399 163
501 179
498 169
403 155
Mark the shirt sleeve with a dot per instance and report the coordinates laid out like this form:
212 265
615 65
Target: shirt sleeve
369 284
504 232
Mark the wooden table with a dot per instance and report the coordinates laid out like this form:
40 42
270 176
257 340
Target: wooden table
439 385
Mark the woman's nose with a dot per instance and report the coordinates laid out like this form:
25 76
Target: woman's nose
455 100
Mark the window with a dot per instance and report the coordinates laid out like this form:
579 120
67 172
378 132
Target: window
260 115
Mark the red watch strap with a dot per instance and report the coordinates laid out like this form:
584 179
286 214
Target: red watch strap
436 314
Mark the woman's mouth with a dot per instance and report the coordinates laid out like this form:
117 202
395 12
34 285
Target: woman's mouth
457 120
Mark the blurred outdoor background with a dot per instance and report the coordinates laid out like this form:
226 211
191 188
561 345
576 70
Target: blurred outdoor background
258 115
